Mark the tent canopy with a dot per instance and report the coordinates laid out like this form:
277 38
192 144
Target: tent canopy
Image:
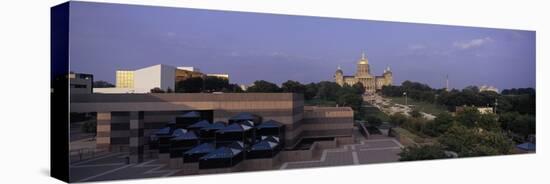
163 131
179 132
274 139
192 114
214 126
202 148
235 127
200 124
186 136
264 145
223 152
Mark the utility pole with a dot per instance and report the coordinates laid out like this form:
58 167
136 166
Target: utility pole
447 83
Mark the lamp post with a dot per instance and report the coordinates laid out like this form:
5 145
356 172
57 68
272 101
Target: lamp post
405 94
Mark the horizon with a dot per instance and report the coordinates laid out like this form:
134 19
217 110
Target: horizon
277 48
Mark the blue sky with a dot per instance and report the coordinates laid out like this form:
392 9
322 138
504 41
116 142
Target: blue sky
252 46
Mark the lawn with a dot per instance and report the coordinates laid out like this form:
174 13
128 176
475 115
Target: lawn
420 105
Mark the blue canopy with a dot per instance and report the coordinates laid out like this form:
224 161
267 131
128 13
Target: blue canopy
270 138
264 145
234 128
269 124
179 132
214 126
223 152
202 148
186 136
200 124
236 145
527 146
192 114
162 131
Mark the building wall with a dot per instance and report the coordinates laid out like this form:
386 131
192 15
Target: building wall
124 79
80 83
157 76
287 108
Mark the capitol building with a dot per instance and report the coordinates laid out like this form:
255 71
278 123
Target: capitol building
364 76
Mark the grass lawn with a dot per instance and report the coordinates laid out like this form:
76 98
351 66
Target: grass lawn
420 105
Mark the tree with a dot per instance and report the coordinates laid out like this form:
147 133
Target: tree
352 100
398 119
311 91
469 142
439 125
468 117
426 152
328 90
190 85
359 88
262 86
102 84
293 87
213 83
373 120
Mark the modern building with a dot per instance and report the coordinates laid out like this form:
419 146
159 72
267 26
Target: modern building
220 75
364 76
160 76
81 83
124 79
121 116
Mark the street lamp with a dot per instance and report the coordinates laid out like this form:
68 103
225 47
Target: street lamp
405 94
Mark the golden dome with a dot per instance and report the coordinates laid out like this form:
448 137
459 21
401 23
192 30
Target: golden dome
363 60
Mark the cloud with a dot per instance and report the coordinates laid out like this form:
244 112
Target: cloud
472 43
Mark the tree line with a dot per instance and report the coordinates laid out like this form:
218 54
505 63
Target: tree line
520 100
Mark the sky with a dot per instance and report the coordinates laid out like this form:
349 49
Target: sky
277 48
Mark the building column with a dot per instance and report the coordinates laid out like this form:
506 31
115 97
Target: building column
103 127
136 137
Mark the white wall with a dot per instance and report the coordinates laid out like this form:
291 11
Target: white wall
157 76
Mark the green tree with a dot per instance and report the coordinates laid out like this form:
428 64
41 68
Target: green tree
426 152
328 90
468 117
352 100
373 120
398 119
213 83
291 86
439 125
263 86
359 88
311 91
468 142
190 85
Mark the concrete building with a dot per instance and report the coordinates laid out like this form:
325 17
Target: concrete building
81 83
364 76
160 76
124 121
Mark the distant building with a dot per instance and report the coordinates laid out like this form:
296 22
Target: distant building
243 87
220 75
80 83
364 76
160 76
488 88
124 79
